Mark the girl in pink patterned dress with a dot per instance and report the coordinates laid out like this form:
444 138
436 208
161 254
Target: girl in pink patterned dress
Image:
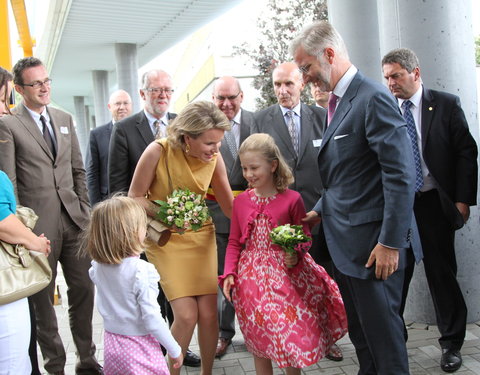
127 290
289 315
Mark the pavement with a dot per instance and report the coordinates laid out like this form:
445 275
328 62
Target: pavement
423 350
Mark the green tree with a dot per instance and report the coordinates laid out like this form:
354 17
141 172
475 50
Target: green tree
277 25
477 50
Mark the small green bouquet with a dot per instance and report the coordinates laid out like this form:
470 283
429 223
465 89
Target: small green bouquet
183 210
288 237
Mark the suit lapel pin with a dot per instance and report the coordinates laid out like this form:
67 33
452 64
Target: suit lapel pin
430 108
63 130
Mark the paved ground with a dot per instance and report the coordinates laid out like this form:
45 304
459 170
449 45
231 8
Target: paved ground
423 350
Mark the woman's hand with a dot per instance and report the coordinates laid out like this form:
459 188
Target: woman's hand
176 362
290 259
228 283
43 245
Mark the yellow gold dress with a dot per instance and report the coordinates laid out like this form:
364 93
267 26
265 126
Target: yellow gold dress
187 263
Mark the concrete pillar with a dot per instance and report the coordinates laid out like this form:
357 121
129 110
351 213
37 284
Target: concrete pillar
100 96
88 122
81 123
127 71
440 32
357 23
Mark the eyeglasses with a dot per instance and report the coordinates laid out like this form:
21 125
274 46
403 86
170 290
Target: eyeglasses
223 98
38 84
304 69
159 90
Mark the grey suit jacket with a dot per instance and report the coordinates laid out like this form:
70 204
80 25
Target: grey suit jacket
129 139
96 163
234 172
304 166
41 182
366 166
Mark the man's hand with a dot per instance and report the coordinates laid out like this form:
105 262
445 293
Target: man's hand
312 218
464 209
385 259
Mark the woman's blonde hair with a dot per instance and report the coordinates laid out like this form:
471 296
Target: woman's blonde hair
113 231
195 119
266 146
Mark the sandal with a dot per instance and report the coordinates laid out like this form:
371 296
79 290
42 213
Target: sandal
335 353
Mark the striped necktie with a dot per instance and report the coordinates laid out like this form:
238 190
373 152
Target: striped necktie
47 137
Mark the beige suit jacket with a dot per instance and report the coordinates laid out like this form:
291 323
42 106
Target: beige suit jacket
40 181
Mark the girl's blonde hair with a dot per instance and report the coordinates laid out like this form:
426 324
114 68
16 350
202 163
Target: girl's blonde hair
266 146
113 231
195 119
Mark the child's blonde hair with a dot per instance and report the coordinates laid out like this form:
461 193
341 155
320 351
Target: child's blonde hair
113 231
265 145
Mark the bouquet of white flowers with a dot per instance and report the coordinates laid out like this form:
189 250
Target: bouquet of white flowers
288 237
183 210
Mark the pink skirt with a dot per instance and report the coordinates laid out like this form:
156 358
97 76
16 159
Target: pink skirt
133 355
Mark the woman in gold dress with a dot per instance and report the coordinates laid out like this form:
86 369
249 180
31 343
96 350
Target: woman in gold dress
187 263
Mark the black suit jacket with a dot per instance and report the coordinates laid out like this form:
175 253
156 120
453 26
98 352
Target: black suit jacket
129 139
96 163
234 173
304 166
449 151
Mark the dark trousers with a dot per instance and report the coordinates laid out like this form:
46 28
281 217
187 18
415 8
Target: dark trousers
226 311
374 323
32 349
437 238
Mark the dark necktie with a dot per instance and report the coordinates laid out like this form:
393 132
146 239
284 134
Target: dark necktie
412 132
48 137
332 106
156 125
292 130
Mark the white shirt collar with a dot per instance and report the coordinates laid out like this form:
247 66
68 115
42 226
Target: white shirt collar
295 109
236 119
344 82
415 98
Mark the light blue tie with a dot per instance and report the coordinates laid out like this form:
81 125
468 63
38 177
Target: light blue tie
412 132
232 144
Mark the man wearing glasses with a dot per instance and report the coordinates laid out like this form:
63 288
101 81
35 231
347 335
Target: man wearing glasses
130 137
41 155
133 134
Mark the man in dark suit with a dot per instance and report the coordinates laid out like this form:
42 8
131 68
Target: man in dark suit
228 96
308 124
129 139
365 163
41 155
133 134
120 106
447 173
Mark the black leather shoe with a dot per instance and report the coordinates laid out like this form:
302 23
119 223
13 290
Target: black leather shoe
451 360
191 359
97 370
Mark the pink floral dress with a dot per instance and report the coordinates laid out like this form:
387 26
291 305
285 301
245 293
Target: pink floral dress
290 315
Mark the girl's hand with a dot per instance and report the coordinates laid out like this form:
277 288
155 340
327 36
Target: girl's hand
290 259
227 286
176 362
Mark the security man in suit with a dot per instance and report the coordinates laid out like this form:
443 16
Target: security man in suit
120 106
446 168
228 96
41 155
129 139
366 168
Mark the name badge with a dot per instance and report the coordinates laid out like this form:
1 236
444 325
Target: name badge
63 130
317 142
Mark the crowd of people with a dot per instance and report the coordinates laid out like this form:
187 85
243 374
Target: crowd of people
379 177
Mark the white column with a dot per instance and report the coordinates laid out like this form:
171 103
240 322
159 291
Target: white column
357 23
127 71
81 123
100 97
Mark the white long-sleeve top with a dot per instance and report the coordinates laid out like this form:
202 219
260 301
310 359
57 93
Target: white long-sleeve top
127 300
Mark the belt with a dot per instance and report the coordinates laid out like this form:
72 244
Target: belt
211 195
